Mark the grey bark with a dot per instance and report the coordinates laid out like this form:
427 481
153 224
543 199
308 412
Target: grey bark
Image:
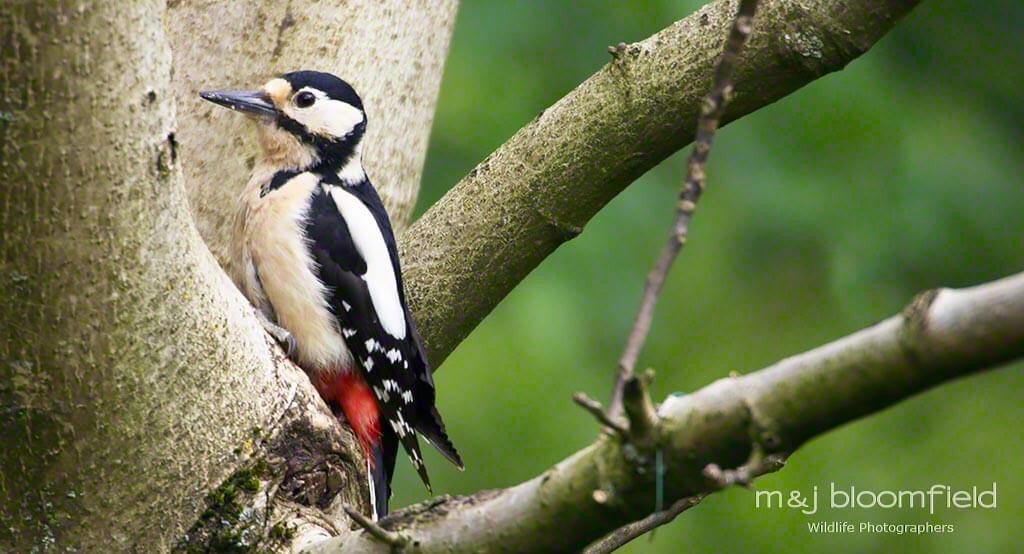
120 324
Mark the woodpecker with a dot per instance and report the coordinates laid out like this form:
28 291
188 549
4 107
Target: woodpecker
313 250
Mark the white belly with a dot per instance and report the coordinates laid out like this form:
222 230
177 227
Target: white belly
275 239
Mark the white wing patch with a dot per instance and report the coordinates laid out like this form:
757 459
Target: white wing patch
380 276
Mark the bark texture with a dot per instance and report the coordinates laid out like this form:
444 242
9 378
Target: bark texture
120 326
392 52
542 186
941 335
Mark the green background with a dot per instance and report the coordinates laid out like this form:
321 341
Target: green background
825 213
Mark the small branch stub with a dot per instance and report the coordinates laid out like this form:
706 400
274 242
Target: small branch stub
395 540
594 408
643 419
617 50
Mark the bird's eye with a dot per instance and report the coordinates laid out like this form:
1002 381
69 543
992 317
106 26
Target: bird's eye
304 99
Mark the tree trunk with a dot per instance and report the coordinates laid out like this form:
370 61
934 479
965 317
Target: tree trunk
133 376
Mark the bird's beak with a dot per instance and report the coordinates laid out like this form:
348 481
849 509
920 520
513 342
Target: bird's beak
249 102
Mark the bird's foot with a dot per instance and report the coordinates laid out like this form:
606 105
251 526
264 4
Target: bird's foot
281 335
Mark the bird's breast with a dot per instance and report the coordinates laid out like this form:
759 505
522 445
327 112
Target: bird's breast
275 236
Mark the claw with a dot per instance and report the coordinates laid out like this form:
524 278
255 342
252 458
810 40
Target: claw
285 339
289 346
280 334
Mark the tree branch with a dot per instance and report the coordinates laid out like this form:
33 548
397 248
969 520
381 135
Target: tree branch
693 186
541 187
629 391
941 335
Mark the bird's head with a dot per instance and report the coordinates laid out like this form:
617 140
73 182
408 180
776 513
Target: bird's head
306 119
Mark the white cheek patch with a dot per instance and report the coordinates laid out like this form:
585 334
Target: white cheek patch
380 276
326 117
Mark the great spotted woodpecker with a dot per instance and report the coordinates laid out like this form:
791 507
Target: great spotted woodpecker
314 251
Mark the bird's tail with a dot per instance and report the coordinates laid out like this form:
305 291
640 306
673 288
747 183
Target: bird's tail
380 467
433 431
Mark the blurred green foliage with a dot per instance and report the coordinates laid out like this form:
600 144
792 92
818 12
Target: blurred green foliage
825 212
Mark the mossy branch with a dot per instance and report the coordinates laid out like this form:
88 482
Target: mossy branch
544 184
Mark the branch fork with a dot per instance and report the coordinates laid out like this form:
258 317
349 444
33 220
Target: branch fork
640 427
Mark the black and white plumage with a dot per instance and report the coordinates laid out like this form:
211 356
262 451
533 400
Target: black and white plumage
314 251
368 299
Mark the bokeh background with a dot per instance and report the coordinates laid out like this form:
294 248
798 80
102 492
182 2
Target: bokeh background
825 213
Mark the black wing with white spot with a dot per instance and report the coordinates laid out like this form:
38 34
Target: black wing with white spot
394 368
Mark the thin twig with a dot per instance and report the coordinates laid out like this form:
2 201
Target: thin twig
693 186
395 540
594 408
614 540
